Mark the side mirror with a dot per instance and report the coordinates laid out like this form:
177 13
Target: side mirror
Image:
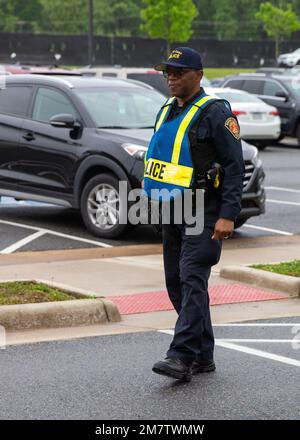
64 121
282 94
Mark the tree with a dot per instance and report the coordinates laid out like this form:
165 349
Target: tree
125 18
226 23
17 15
169 20
111 17
278 22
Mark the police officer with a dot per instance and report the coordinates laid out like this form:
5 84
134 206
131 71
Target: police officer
193 132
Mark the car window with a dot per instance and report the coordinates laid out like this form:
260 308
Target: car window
14 100
50 102
109 74
271 88
121 108
253 86
237 97
156 80
235 83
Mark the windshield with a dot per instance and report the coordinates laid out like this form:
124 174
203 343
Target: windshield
237 97
121 108
293 84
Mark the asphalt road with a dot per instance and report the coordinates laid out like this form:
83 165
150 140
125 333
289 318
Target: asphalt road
110 377
23 224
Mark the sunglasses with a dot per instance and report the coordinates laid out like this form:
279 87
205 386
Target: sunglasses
176 72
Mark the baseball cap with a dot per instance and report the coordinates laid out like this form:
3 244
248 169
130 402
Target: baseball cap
182 57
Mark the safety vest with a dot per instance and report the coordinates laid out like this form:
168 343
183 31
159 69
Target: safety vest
168 162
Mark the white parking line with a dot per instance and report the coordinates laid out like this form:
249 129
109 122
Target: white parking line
226 344
22 242
260 353
58 234
283 202
285 341
277 231
279 188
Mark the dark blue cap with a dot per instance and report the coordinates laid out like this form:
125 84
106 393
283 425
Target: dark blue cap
182 57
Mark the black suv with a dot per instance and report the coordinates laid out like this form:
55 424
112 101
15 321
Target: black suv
69 141
283 92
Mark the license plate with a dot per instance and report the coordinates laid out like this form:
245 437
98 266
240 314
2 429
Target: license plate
257 115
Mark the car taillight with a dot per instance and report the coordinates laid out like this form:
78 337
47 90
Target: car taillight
275 113
238 112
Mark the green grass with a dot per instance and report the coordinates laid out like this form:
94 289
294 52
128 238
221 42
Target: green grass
23 292
219 72
291 268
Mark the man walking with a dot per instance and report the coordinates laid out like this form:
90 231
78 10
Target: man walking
194 133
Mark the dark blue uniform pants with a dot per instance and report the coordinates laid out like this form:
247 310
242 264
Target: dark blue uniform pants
187 261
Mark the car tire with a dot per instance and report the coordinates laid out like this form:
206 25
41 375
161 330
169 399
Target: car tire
239 222
282 136
99 207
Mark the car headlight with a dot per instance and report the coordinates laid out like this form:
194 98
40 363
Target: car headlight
135 150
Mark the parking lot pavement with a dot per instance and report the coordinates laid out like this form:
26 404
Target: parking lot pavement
110 377
30 226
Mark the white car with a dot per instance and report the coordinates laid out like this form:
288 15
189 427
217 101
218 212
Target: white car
289 59
259 122
144 74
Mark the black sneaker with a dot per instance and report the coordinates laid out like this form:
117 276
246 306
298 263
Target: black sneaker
173 367
203 367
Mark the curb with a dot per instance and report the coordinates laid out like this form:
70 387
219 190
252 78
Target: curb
81 312
283 283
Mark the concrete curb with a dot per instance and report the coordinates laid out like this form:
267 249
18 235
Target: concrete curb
81 312
282 283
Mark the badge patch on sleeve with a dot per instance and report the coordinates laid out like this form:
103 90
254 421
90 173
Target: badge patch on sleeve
232 125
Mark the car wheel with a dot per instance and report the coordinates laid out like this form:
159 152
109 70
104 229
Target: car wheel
239 222
280 138
100 206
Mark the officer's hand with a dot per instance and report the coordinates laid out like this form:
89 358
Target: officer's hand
142 184
223 229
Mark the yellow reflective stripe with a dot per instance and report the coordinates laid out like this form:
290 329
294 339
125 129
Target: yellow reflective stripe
163 113
183 126
168 173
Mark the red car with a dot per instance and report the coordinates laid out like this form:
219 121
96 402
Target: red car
39 70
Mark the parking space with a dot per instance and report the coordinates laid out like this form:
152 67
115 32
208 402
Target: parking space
37 228
277 340
111 376
31 226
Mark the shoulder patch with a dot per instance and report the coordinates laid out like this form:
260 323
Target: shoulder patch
232 125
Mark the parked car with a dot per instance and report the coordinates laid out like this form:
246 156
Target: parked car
69 141
215 82
279 70
146 75
282 92
289 59
259 122
19 69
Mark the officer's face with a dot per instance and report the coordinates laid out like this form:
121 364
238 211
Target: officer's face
183 83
